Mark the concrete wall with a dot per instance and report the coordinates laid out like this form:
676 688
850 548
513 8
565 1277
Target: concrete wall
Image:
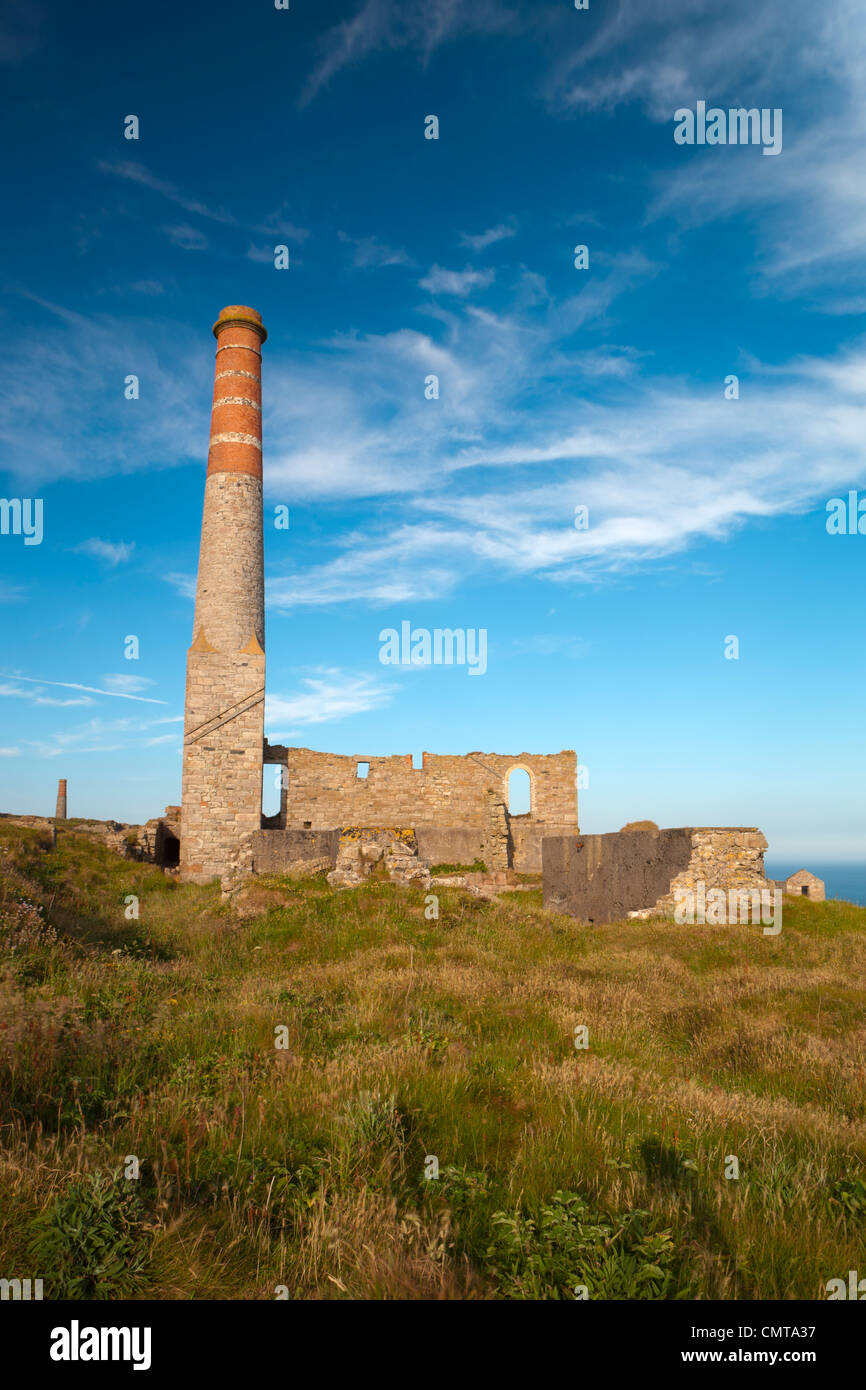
601 878
274 849
459 844
280 851
526 838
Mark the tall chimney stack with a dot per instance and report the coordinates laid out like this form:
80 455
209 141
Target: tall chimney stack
60 813
225 680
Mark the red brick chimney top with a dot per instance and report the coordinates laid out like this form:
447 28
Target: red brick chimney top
240 314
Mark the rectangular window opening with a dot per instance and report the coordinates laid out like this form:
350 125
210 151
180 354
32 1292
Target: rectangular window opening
271 789
363 770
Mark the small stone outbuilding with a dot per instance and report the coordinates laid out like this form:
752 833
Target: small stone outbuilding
804 884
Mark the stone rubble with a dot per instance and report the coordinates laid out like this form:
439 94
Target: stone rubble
361 852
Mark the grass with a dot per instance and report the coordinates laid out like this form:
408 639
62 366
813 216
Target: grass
478 866
287 1084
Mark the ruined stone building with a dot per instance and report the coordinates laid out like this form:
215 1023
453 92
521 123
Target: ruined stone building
456 806
351 812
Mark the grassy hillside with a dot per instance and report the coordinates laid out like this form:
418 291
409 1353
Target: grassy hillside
304 1166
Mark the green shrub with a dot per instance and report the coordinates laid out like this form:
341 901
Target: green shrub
850 1195
546 1255
94 1241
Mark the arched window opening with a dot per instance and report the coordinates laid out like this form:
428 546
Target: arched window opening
519 792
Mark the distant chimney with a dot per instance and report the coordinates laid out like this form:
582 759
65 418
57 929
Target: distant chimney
60 813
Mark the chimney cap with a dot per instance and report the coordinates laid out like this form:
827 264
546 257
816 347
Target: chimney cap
240 313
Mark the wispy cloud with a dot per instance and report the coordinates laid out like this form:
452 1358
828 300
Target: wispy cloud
112 552
262 255
499 374
456 282
138 173
328 695
37 697
422 25
184 584
99 736
808 214
661 465
808 210
186 237
124 684
148 287
371 254
58 420
482 240
278 223
275 223
379 568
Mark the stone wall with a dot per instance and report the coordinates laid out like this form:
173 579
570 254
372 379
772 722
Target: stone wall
230 590
456 804
729 857
447 790
222 762
601 878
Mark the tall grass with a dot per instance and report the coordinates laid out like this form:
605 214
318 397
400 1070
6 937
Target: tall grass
407 1043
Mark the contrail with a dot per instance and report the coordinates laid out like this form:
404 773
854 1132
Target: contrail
90 689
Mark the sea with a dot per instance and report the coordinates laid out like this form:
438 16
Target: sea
846 881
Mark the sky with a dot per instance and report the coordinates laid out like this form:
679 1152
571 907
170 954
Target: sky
605 387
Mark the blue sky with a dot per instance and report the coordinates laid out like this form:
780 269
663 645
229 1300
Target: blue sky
559 387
